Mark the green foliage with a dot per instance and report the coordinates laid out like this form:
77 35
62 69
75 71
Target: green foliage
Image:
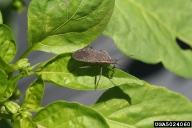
8 48
63 26
22 63
7 44
63 70
3 82
11 86
25 123
5 66
149 29
1 19
18 5
68 115
137 106
11 107
34 95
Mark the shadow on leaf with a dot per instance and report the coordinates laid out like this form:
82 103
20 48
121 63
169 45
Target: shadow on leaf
78 68
114 93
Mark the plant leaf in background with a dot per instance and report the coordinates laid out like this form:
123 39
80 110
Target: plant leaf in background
60 26
138 106
11 85
7 44
3 82
64 70
149 29
1 19
61 114
18 6
34 95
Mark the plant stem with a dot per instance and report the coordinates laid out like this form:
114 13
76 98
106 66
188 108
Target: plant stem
36 110
24 54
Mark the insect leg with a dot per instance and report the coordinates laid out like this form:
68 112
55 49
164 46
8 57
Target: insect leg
99 76
111 70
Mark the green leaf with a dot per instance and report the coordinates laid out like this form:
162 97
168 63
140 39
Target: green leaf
25 123
11 85
18 5
149 28
61 114
61 26
34 95
1 18
7 44
64 71
5 66
138 106
3 82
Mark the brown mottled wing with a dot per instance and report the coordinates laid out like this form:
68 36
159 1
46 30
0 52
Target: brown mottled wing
92 56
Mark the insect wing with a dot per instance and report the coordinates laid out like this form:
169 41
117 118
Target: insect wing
92 56
83 55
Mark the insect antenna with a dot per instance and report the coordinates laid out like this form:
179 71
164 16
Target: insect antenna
121 65
124 57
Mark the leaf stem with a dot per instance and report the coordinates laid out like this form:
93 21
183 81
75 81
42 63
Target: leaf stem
35 110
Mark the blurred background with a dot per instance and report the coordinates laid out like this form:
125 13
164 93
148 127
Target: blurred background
153 74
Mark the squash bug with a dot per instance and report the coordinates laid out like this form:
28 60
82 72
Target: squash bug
90 55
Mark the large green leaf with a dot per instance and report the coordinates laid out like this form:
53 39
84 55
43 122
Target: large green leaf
60 26
138 106
149 28
3 82
7 44
61 114
34 95
1 19
11 85
64 70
